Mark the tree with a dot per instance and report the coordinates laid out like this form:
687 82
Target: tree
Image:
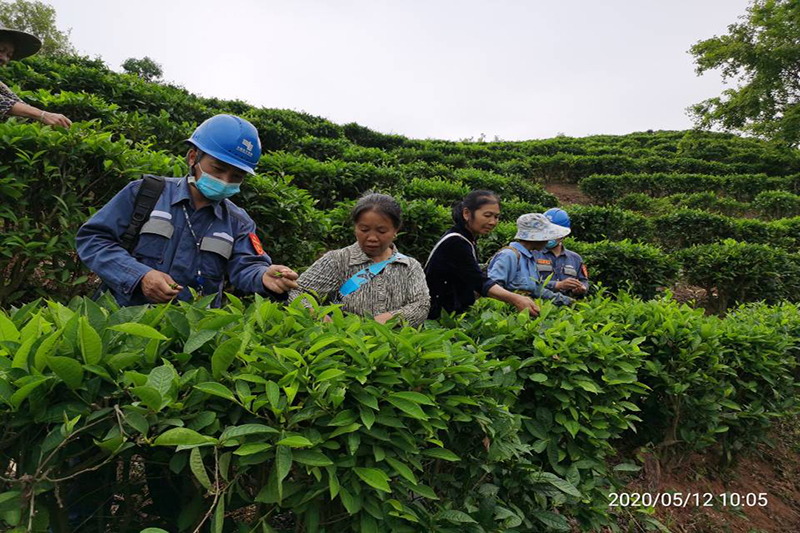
39 19
145 68
762 54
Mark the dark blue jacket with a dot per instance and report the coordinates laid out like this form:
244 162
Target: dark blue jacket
454 275
166 244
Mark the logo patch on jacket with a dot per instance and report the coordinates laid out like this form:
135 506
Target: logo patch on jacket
256 244
543 261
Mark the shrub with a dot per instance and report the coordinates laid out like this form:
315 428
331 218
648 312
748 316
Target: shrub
777 204
688 227
331 181
438 190
578 389
510 210
364 136
743 187
734 272
596 223
505 186
688 405
641 269
279 209
263 411
637 201
322 148
52 179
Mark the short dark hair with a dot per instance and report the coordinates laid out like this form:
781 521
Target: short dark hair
380 203
473 201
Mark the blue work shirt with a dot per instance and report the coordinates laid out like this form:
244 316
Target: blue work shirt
227 245
567 264
517 272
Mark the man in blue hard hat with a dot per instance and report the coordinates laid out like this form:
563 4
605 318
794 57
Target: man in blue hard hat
194 235
566 269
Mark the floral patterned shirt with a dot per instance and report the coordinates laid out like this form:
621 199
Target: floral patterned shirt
7 99
400 288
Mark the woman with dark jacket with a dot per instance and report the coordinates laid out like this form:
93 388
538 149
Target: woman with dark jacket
452 271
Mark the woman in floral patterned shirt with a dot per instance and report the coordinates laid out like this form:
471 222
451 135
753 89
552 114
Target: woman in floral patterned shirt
16 44
371 277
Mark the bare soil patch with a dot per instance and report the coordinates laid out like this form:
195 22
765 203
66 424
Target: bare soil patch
771 469
567 193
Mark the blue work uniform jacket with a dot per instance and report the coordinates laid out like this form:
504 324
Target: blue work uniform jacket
567 264
518 272
225 231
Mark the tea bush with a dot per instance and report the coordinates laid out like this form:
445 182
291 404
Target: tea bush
641 269
278 208
777 204
734 272
51 180
493 420
743 187
331 181
511 210
271 410
596 223
441 191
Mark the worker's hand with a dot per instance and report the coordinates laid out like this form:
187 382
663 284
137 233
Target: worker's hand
279 279
383 318
569 284
159 287
55 119
580 289
523 303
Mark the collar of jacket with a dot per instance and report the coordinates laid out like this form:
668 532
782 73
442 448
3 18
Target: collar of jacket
551 252
521 247
181 193
358 257
462 230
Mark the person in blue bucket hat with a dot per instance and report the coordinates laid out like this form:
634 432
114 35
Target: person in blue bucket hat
514 266
159 236
565 268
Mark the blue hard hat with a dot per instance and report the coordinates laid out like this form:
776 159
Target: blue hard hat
230 139
558 216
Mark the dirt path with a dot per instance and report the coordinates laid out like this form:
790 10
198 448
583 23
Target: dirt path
568 193
771 471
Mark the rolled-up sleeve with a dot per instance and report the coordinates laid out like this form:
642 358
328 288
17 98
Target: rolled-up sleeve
7 100
246 266
554 296
419 298
98 243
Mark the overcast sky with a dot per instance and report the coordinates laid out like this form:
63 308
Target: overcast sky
522 69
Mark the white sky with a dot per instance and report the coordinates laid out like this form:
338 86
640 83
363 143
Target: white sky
517 69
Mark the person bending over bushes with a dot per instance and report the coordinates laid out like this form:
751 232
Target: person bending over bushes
514 266
453 273
565 268
194 235
371 277
16 45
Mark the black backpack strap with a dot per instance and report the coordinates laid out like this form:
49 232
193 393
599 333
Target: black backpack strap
146 200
